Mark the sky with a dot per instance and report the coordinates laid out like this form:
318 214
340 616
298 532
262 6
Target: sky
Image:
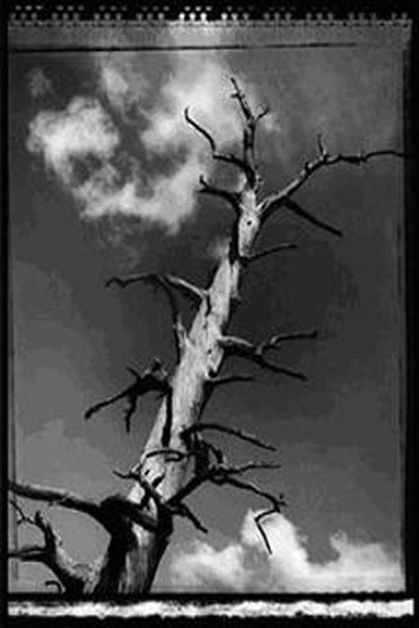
103 180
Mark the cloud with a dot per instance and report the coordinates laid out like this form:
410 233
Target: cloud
245 566
81 130
198 81
208 569
83 146
121 80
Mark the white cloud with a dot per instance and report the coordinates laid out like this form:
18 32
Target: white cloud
82 145
200 82
245 565
81 130
120 78
207 568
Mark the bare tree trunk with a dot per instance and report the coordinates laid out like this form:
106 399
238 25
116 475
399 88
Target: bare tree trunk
201 361
141 523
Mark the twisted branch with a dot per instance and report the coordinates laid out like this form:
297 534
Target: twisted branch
222 474
154 378
229 379
232 198
275 341
168 283
165 509
57 497
249 132
243 348
229 158
258 518
240 96
279 199
299 211
274 249
99 511
51 554
185 287
200 427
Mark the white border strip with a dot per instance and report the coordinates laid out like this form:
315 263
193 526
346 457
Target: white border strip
347 608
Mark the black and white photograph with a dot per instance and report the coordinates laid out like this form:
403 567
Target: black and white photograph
207 305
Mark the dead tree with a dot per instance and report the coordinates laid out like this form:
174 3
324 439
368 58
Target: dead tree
177 459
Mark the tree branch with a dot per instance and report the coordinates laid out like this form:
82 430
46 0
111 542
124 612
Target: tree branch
277 200
240 96
229 158
183 510
231 197
105 512
186 288
261 515
57 497
117 508
165 509
263 113
168 282
200 427
200 130
249 132
222 474
296 209
154 378
171 455
275 341
274 249
250 466
243 348
51 554
229 379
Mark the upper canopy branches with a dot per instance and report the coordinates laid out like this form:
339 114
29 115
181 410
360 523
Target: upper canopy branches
229 158
246 163
249 133
279 199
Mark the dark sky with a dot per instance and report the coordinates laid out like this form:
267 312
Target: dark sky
339 434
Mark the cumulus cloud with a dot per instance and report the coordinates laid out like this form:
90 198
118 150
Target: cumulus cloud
81 130
121 80
245 566
86 148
